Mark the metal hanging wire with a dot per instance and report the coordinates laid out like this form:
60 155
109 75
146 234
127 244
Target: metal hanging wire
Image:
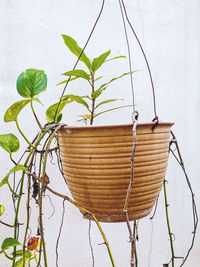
135 115
90 35
129 55
124 15
122 6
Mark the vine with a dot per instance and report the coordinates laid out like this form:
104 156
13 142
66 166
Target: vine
29 84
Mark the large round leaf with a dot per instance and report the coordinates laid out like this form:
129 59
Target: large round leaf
31 82
9 142
14 110
9 242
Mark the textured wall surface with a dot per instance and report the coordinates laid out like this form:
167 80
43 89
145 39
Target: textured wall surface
30 37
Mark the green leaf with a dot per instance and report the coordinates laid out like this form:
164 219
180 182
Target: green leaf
59 118
2 208
106 101
9 242
115 58
98 78
69 80
78 74
88 116
18 167
111 110
37 100
76 50
19 263
19 253
51 111
31 82
9 142
97 93
116 78
97 62
4 181
86 96
14 110
28 256
77 99
85 118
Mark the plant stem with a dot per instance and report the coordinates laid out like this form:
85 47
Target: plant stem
194 208
6 224
10 258
18 203
168 224
31 145
28 206
129 189
27 217
90 243
12 159
135 237
40 197
104 237
93 100
86 212
36 118
42 230
59 233
15 195
21 188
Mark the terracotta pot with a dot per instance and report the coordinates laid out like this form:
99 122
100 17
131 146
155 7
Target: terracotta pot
97 167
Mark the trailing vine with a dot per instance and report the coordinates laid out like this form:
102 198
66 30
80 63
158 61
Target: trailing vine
29 84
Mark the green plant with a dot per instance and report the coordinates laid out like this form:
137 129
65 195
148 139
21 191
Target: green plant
90 101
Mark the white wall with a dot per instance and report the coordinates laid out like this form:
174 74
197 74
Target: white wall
169 30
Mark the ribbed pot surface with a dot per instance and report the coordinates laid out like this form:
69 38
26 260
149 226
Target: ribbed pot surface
97 166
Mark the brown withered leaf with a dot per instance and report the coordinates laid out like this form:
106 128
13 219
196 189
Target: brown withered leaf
32 243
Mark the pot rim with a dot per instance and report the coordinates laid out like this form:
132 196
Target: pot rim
116 125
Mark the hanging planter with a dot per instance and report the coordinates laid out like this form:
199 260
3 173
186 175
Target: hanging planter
97 166
98 160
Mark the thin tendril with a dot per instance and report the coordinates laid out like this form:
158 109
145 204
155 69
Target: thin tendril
60 230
